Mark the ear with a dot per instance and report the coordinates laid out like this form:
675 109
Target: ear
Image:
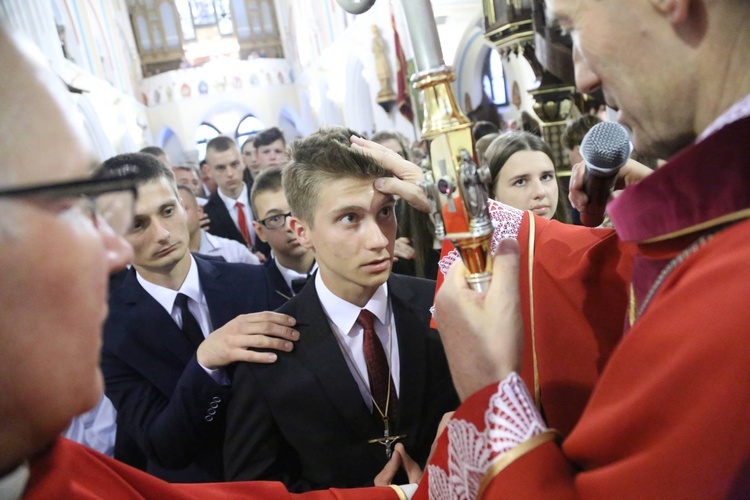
675 11
301 231
259 228
182 202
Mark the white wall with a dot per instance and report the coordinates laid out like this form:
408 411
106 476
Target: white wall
221 110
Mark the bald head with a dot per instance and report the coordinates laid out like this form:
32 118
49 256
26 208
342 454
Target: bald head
36 106
55 246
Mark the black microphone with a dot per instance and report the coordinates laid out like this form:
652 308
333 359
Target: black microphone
604 149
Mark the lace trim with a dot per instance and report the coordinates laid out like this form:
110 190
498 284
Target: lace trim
505 219
510 420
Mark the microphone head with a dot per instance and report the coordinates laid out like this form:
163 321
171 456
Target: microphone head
605 148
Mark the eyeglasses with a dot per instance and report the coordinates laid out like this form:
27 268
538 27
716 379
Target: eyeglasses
275 221
109 197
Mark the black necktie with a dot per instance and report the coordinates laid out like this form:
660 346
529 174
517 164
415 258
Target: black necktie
190 326
298 284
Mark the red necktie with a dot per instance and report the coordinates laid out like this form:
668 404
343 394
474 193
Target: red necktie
242 223
378 371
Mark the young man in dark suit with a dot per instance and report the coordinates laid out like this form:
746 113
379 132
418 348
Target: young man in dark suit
291 263
176 325
229 207
369 371
270 148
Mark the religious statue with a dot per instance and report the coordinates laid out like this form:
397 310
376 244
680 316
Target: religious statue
386 97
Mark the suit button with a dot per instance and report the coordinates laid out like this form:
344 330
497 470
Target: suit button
216 399
211 411
214 405
208 418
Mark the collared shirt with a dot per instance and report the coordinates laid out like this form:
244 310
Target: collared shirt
290 275
232 251
231 205
197 305
96 428
190 287
342 316
13 485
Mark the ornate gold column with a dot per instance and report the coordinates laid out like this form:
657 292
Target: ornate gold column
518 27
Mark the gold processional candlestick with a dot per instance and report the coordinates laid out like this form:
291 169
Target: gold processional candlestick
455 185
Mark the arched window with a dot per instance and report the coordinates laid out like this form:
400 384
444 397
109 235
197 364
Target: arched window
224 17
247 127
202 13
203 134
144 36
493 79
169 25
186 19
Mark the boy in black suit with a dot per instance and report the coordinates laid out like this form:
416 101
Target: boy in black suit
229 207
369 371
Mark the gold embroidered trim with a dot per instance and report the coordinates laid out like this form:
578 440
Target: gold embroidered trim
632 306
734 216
399 492
511 455
532 237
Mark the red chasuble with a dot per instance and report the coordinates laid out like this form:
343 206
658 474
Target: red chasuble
573 282
668 415
70 470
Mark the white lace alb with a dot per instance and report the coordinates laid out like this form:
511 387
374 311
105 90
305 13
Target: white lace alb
510 420
505 219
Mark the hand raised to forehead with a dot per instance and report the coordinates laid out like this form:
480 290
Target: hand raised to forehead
407 175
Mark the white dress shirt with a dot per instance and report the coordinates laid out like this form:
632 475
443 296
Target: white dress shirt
342 316
232 251
231 205
13 484
96 428
196 305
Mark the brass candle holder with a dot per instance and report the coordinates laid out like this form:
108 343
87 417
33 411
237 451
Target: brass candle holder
456 186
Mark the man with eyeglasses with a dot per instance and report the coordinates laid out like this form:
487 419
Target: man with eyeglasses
290 264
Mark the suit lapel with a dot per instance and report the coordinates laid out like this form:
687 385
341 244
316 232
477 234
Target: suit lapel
320 352
221 300
155 332
276 280
410 329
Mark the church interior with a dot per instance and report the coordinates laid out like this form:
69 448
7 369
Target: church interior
176 73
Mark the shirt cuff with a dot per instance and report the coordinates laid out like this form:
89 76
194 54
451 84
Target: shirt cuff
218 375
405 491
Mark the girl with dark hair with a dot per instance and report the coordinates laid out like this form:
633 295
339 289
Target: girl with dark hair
523 175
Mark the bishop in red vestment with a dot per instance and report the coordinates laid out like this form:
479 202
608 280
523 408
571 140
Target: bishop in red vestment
666 418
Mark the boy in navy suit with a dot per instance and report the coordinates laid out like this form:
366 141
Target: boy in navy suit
176 325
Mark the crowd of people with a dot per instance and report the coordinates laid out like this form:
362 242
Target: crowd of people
251 337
